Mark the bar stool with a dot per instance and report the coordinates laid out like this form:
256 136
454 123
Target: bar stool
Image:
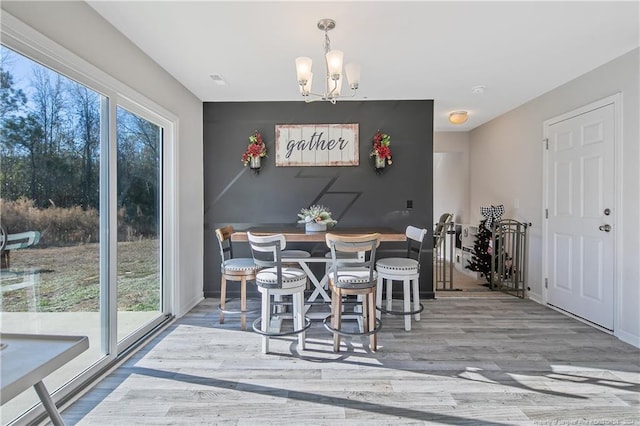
290 254
349 276
286 256
277 280
407 270
234 269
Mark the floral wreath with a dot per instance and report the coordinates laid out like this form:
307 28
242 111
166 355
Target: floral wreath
256 148
381 149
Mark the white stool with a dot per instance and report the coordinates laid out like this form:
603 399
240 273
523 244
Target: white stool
407 270
277 280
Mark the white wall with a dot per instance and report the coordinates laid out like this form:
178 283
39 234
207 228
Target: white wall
78 28
506 161
451 175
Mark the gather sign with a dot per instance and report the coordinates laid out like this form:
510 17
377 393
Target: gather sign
317 145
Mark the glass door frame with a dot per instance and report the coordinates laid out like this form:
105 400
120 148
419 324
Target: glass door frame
32 44
166 228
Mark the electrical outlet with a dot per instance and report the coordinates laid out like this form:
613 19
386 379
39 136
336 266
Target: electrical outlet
409 204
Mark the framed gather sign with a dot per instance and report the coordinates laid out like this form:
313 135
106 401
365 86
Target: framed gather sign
317 145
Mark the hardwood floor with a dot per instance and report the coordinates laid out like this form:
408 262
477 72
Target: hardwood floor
490 361
462 285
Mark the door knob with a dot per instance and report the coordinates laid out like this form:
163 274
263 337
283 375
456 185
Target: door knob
605 228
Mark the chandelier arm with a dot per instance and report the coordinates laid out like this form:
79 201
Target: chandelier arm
327 96
312 97
308 99
330 92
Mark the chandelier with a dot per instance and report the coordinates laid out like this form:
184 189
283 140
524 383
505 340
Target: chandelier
334 77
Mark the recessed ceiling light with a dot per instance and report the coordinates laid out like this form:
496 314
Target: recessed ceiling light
478 89
218 79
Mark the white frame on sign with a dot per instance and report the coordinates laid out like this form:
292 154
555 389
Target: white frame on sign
317 145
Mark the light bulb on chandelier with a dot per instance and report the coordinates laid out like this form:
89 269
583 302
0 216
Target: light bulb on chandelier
334 77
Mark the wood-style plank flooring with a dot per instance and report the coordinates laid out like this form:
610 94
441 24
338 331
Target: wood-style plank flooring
491 361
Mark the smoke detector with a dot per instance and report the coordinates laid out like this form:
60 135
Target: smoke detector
478 90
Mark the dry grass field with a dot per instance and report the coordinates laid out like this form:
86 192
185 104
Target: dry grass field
66 279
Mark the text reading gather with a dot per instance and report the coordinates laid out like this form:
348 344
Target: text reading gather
316 143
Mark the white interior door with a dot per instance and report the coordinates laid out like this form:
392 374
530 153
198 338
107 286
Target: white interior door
580 227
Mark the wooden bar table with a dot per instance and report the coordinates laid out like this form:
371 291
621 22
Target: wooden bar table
297 234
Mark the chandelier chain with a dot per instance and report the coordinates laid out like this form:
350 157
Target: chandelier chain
327 42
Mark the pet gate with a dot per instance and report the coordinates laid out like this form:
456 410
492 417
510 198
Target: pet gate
443 250
509 256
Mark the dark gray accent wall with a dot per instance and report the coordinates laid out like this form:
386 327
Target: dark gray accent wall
357 196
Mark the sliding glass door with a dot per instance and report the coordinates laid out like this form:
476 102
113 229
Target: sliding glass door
81 196
139 188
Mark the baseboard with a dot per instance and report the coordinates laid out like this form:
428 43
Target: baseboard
189 306
622 335
535 297
628 338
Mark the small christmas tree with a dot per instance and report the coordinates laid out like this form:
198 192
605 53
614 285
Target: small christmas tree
481 258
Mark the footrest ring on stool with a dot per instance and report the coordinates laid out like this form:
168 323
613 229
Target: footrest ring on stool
351 333
258 322
230 312
390 312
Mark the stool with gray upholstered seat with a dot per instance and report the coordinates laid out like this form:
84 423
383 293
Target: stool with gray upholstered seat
277 280
353 277
406 270
233 269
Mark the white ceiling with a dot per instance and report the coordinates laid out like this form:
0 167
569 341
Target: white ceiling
406 50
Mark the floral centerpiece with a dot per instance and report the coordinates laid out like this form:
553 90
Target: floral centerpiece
381 150
255 151
316 218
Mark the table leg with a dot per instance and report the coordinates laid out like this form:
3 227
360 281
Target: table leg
319 285
48 404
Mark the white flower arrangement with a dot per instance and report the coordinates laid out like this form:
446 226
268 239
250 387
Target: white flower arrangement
316 214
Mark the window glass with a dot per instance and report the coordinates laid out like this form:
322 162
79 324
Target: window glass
139 190
56 167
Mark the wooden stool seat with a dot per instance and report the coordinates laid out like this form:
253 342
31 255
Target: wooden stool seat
353 274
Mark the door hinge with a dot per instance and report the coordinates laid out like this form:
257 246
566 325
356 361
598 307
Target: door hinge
546 283
546 213
546 143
